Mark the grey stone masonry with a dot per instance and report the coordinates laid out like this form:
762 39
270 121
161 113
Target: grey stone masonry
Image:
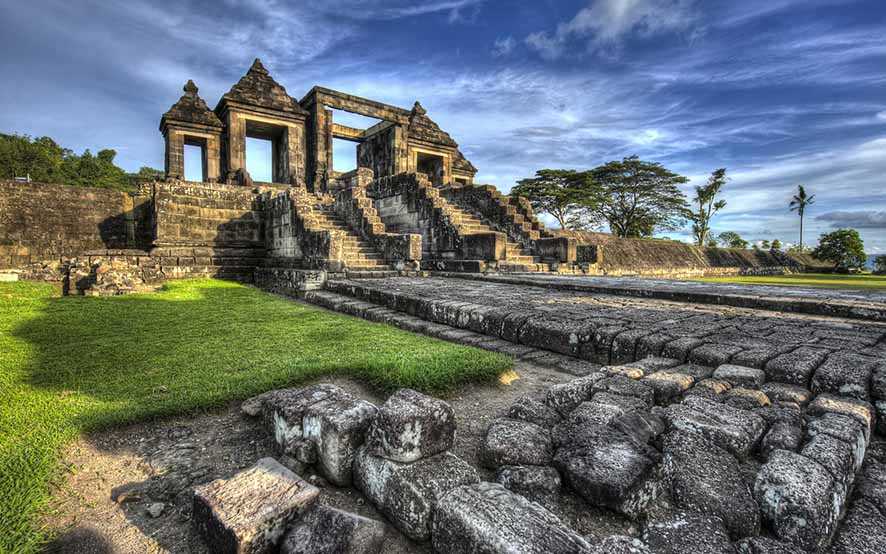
249 512
411 426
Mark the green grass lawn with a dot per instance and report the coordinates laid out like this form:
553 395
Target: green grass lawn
69 365
822 280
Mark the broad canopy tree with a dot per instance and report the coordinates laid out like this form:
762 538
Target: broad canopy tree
638 198
565 194
843 247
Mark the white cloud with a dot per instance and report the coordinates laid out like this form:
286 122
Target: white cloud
882 115
503 47
606 22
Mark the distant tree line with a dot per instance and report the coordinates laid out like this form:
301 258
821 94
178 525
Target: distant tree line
43 160
636 198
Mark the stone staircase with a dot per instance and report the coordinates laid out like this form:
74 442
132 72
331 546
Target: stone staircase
358 252
517 258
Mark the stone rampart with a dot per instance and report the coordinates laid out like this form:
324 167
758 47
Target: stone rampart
45 223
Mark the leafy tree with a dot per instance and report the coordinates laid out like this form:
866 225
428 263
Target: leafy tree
764 244
638 198
799 203
776 244
711 243
731 239
565 194
708 205
843 247
45 161
880 264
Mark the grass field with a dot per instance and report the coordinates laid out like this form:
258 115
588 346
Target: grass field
822 280
69 365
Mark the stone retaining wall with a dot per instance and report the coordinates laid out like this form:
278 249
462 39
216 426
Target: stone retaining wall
42 222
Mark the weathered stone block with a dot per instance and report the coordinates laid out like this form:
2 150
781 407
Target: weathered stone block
283 410
249 512
729 437
688 533
799 499
620 544
537 483
878 382
564 397
609 469
834 455
533 411
486 517
764 545
842 427
860 410
796 367
863 531
513 442
408 493
783 392
619 384
740 376
705 478
338 427
782 435
325 530
844 375
410 426
746 399
668 386
753 424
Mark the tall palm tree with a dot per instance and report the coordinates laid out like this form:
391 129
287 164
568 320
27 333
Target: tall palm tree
798 204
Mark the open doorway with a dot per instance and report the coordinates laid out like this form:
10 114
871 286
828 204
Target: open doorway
260 159
195 161
266 154
431 165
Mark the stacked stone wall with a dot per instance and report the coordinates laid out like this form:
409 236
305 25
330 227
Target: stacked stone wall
41 223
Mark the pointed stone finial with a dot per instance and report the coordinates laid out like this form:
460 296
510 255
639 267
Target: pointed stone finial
190 88
257 67
418 109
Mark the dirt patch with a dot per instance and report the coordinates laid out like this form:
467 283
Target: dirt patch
129 489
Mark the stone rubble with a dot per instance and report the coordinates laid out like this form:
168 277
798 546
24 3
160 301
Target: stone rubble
700 459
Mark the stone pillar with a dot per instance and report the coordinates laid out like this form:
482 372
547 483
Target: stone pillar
175 154
236 150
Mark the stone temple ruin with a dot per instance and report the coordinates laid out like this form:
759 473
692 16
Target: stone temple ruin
704 418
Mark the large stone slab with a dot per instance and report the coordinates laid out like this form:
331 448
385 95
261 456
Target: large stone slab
862 411
741 376
514 442
408 493
706 479
845 375
688 533
249 512
326 530
325 415
410 426
540 484
625 386
732 429
799 499
608 468
487 518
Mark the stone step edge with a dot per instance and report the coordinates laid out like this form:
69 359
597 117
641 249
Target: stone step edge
829 308
380 314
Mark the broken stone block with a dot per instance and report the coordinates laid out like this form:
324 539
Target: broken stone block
863 531
726 436
537 483
799 499
250 511
325 415
844 375
746 399
740 376
782 435
619 384
705 478
532 411
639 426
609 469
842 427
784 392
834 455
564 397
408 493
410 426
796 367
620 544
486 517
860 410
510 442
764 545
325 530
688 533
668 386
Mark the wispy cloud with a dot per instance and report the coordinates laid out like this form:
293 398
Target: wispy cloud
604 23
503 46
860 219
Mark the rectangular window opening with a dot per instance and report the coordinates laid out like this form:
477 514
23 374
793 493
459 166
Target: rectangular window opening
194 170
260 159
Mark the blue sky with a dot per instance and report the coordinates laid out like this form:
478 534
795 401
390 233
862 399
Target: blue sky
780 92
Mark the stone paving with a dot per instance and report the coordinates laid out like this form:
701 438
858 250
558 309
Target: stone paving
857 304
